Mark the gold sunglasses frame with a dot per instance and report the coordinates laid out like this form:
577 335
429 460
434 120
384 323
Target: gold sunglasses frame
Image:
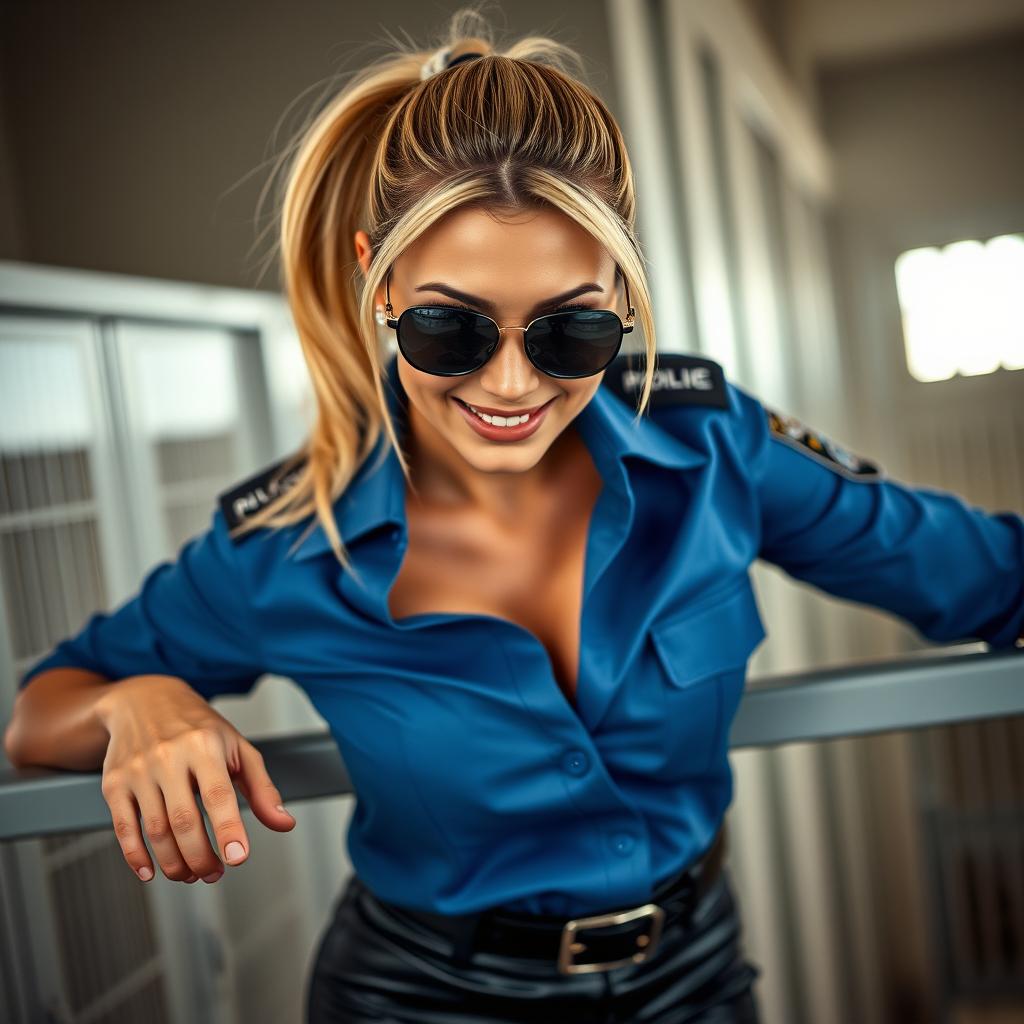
392 321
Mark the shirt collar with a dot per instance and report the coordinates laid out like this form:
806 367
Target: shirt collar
375 497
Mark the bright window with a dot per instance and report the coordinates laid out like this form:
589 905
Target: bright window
963 307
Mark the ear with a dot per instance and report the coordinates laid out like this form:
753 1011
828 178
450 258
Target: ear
363 251
364 254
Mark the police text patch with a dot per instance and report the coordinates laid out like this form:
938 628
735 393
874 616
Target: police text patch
808 442
245 499
678 380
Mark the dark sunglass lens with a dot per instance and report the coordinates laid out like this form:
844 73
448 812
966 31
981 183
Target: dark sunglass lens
575 344
445 341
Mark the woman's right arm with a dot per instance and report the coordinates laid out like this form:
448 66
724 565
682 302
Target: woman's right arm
131 691
55 721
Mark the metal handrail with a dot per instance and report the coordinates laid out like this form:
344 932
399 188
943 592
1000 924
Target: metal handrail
909 692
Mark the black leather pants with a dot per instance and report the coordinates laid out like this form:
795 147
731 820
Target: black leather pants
372 966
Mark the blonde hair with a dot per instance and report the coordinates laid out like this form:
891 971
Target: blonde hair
405 142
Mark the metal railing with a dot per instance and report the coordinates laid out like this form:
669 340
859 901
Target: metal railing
867 697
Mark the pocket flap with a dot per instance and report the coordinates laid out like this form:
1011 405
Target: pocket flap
710 639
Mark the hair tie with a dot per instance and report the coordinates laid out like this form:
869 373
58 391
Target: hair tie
459 60
438 61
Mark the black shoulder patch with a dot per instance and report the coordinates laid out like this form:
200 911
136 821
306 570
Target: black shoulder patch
245 499
809 442
679 379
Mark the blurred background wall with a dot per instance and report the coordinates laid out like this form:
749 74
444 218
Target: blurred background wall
787 152
135 135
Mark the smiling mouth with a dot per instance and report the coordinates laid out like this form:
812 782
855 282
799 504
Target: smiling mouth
500 412
508 414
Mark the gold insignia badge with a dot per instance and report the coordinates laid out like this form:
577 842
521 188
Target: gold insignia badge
809 442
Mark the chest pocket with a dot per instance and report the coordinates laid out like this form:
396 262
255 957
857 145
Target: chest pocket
703 654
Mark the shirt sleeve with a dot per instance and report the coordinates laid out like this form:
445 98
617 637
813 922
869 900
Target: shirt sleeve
833 519
190 618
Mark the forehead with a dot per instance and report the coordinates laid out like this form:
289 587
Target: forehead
495 253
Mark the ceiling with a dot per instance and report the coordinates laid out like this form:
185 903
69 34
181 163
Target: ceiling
841 31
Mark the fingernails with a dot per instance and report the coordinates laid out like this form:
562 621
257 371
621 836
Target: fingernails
235 851
212 877
284 810
145 874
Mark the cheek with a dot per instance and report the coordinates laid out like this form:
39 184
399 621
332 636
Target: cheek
433 400
580 396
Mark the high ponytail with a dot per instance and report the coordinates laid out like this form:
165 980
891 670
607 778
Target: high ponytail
408 139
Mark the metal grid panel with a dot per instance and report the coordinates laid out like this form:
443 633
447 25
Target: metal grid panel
55 481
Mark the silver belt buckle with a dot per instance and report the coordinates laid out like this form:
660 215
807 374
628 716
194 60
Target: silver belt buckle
648 943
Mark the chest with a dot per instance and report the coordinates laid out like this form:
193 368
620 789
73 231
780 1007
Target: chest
531 575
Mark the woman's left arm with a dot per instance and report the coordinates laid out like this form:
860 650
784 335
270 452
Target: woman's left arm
833 519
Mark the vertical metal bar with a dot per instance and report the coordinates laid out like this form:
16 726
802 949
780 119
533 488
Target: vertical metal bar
35 611
56 499
647 125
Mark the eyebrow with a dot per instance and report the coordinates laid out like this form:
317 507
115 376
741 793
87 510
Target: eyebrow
489 307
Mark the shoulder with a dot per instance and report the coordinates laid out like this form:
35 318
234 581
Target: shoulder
680 379
258 556
692 399
246 497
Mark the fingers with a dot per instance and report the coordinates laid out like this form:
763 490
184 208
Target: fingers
161 791
259 790
221 803
173 766
125 816
186 821
157 829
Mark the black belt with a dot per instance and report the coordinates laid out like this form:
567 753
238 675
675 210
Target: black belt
608 940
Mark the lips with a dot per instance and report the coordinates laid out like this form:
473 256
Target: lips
504 412
523 429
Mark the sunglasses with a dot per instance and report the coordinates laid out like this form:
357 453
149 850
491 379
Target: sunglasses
451 341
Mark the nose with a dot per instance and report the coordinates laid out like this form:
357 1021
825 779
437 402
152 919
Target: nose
508 373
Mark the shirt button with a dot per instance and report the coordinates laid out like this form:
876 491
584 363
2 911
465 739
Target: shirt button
623 843
576 762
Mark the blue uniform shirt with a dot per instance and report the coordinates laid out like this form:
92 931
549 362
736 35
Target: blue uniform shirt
477 782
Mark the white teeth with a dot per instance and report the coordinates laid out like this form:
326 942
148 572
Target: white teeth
500 421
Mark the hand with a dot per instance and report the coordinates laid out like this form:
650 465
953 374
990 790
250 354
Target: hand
166 744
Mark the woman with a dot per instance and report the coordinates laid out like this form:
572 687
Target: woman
523 608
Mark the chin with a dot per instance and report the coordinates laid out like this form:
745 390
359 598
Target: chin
494 457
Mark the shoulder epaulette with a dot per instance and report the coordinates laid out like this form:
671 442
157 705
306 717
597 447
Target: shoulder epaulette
679 379
810 442
245 499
